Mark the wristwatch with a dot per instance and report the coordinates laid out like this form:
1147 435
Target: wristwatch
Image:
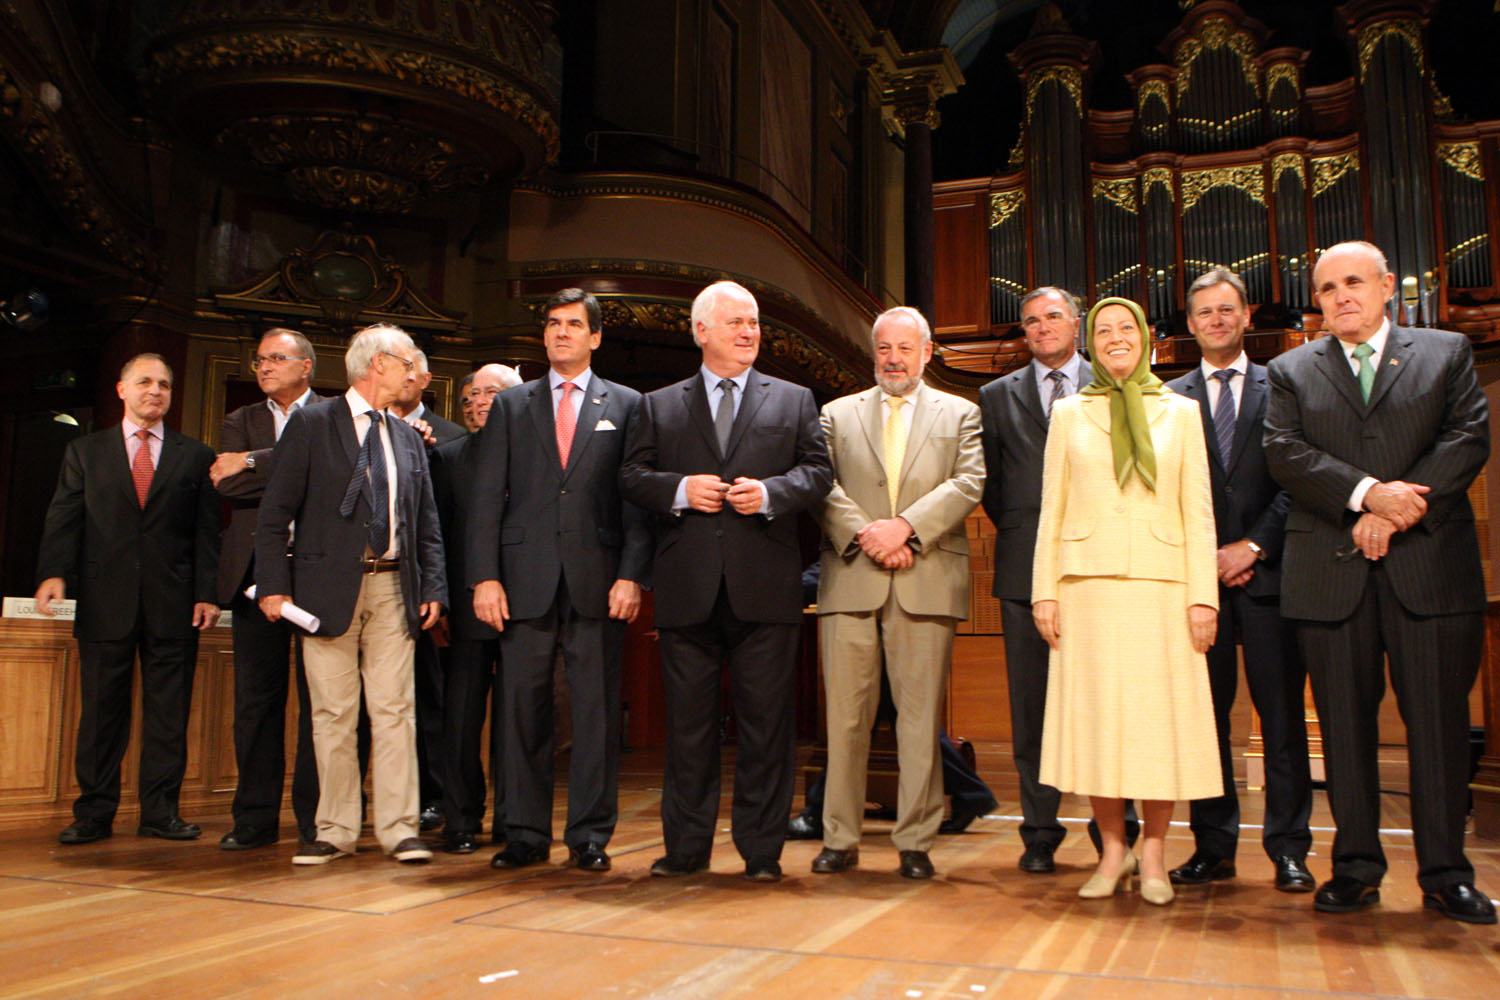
250 464
1260 553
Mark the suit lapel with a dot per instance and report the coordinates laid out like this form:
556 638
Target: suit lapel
1030 399
1194 388
545 423
171 457
1335 366
119 463
343 422
756 389
1252 411
594 403
922 419
872 419
1395 360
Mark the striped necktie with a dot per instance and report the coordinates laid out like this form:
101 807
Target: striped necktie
1224 415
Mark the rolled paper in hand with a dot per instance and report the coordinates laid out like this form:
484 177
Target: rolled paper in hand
304 620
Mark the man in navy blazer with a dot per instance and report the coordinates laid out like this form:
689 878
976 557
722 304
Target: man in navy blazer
723 461
1250 515
133 528
368 563
558 559
1377 432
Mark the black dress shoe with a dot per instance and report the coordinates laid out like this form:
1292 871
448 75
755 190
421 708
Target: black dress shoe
242 838
171 828
459 842
85 831
589 857
959 821
518 855
1345 894
1292 875
763 870
804 827
431 818
831 860
1037 860
1461 902
678 865
1201 868
915 864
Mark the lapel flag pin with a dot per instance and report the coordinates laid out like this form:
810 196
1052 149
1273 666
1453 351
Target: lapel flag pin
1395 362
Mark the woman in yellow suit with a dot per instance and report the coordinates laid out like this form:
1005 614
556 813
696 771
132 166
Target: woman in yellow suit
1125 592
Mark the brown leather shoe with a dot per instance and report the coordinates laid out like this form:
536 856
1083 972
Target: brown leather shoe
915 864
831 860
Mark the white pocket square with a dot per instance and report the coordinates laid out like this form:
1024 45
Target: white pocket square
604 425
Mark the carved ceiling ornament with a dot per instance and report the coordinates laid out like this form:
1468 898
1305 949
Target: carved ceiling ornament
343 280
1284 162
1004 204
1212 34
1329 170
1068 77
1248 179
1462 157
1407 30
49 154
356 163
1120 190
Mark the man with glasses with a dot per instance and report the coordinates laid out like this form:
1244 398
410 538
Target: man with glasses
284 364
367 562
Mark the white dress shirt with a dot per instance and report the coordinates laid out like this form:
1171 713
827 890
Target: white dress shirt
555 379
279 417
1239 366
133 444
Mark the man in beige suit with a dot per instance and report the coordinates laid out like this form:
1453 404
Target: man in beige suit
895 582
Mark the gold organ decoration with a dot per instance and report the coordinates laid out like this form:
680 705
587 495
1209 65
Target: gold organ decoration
1120 191
1279 72
1284 162
1248 179
1407 30
1329 170
1004 204
1068 76
1154 176
1462 157
1154 88
1217 33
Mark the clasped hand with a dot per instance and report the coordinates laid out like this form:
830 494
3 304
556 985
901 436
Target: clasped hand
707 493
885 541
1402 504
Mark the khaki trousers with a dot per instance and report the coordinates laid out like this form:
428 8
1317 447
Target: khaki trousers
916 650
374 654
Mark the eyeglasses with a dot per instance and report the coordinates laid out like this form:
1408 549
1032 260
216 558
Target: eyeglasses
278 359
409 364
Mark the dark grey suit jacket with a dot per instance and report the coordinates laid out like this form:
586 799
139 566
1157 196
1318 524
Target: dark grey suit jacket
453 466
119 560
1248 502
532 521
250 428
1427 422
312 465
1014 433
777 439
443 429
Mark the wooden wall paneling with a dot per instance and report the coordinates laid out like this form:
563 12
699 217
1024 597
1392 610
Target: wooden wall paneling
31 737
978 690
961 235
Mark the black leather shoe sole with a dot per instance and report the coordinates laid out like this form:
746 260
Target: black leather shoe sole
1471 911
83 833
670 867
831 861
589 858
519 856
763 871
1198 873
237 840
179 830
1035 862
459 843
1342 903
1293 877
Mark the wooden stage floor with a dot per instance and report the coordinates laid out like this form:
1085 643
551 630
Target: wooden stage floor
131 917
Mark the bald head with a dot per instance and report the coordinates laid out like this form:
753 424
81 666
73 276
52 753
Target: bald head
489 382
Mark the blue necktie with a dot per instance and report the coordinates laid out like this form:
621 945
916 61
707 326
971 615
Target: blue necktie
1224 415
369 474
1059 390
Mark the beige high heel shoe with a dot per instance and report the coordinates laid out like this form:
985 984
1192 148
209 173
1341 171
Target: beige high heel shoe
1100 886
1157 891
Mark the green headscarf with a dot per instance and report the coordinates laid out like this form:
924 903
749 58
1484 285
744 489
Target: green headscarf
1129 434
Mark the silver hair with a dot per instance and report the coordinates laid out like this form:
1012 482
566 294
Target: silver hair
911 314
703 305
1368 248
372 340
1069 299
421 357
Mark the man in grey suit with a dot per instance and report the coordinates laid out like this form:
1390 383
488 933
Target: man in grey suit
368 563
284 364
1250 517
724 460
1377 432
1014 410
557 559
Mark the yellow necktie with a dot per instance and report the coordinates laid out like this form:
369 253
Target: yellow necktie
895 450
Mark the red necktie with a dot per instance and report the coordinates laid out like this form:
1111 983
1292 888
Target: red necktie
567 422
141 468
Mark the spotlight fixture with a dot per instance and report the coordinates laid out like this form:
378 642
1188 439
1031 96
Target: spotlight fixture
26 310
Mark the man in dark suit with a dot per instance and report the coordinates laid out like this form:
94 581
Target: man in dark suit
284 363
435 430
724 460
368 563
1250 515
557 559
1014 410
134 525
473 648
1377 432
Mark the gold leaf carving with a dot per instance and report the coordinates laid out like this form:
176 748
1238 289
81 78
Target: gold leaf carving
1329 170
1068 76
1279 72
1004 204
1154 176
1156 88
1119 190
1371 35
1217 33
1462 157
1284 162
1196 183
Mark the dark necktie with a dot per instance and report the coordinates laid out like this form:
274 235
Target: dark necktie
369 473
1224 415
141 468
1059 390
724 417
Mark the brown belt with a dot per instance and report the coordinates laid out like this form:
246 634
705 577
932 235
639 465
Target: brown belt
379 565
